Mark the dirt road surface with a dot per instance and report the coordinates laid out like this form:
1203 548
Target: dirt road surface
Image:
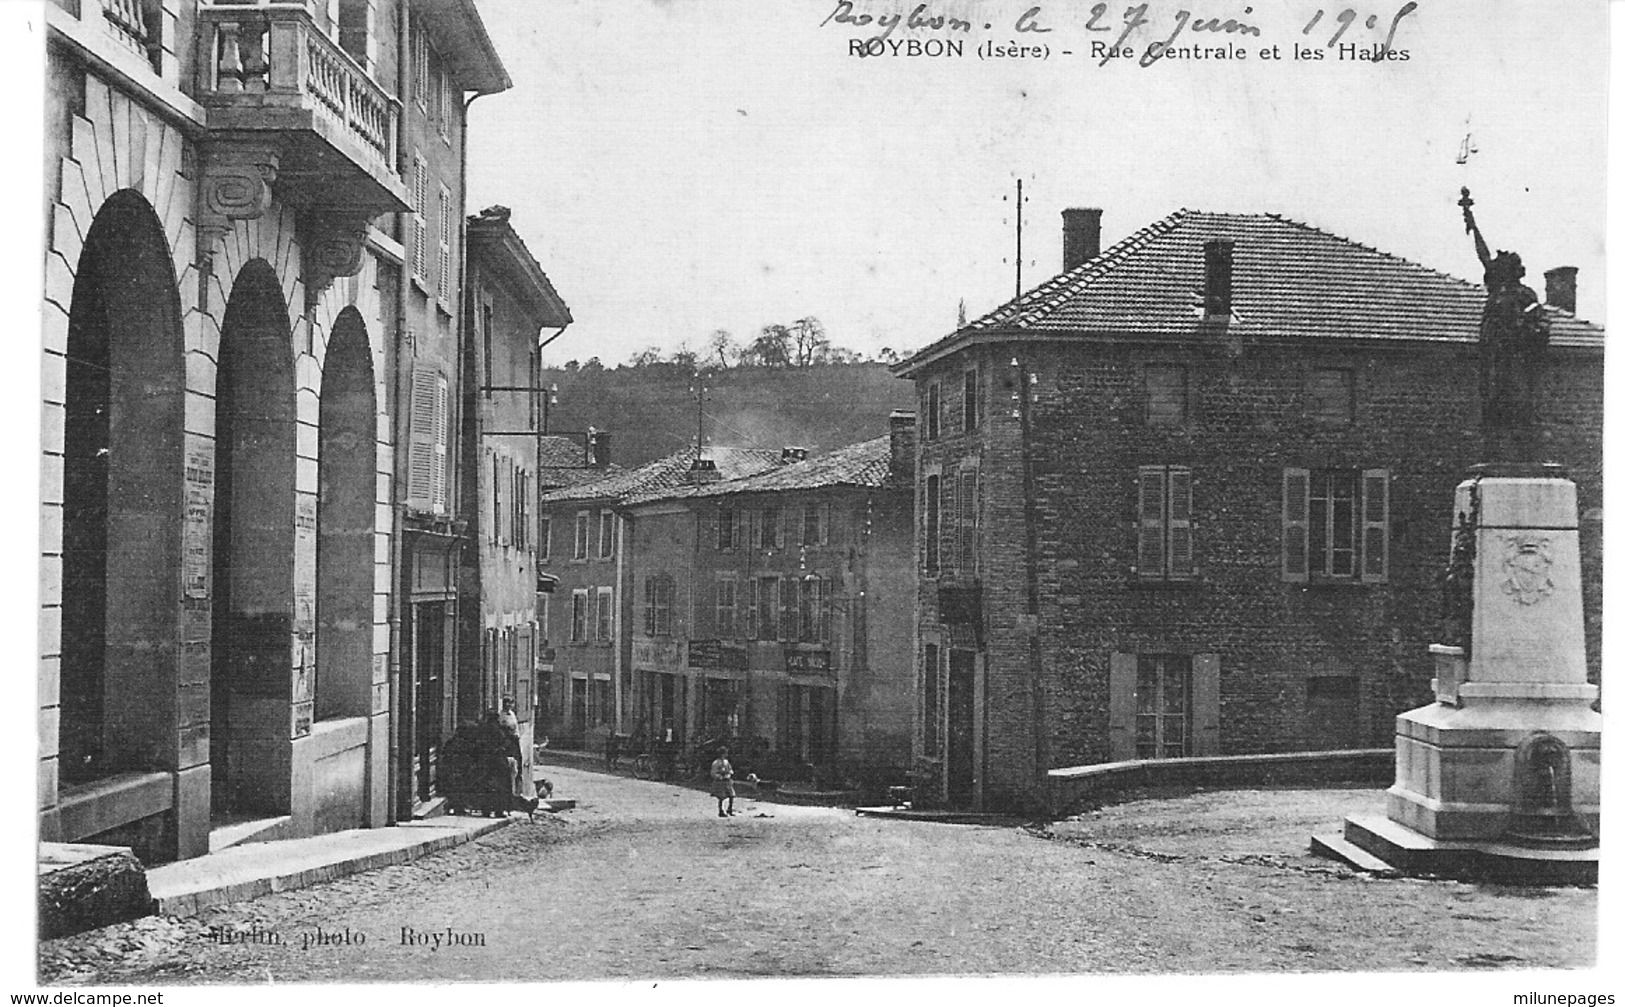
644 881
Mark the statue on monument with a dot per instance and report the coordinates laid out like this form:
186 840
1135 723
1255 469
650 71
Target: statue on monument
1512 337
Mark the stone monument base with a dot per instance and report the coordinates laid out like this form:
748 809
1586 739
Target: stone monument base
1383 846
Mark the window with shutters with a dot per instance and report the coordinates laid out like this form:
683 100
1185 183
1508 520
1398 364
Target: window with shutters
544 537
1162 712
967 533
933 411
933 497
727 529
582 526
544 617
420 227
727 608
521 508
767 608
1166 390
1334 525
1165 533
489 352
657 600
578 615
444 280
815 524
815 610
606 534
972 403
606 614
426 461
770 529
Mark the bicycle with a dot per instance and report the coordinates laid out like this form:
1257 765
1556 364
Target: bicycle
643 765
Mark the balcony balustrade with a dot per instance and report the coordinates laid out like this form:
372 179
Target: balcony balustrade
127 23
268 74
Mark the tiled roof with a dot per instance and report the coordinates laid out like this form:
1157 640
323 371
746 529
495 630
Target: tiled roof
561 452
865 464
1288 280
665 473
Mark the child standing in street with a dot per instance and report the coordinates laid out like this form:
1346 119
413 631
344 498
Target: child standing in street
722 783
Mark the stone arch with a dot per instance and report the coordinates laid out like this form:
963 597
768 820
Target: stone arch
123 447
257 661
347 451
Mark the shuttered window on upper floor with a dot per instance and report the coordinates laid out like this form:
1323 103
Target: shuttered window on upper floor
429 422
1164 531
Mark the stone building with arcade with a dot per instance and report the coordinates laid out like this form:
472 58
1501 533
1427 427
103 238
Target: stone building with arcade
250 309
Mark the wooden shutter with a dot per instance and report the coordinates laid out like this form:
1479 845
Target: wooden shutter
420 462
823 523
826 612
438 473
753 593
1205 704
967 523
649 607
789 609
1181 561
1151 560
490 515
1125 671
443 285
420 231
1374 521
1295 525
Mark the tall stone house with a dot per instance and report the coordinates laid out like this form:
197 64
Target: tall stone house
774 609
586 663
250 322
1193 496
511 310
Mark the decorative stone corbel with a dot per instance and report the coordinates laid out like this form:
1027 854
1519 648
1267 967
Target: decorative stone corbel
236 185
334 241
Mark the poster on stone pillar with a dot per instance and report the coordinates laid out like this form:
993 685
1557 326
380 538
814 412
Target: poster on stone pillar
1147 454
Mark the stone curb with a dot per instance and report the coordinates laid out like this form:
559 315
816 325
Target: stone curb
190 903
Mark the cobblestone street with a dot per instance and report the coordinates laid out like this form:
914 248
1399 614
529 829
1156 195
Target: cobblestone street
644 881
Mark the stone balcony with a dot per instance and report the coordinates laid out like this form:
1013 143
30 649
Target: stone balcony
288 108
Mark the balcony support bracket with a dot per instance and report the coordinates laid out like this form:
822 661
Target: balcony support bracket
236 185
334 242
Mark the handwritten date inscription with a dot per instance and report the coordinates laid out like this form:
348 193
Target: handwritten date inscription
1133 21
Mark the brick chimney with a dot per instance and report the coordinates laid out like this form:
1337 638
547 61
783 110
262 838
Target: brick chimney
1080 237
902 446
792 454
1561 287
1218 257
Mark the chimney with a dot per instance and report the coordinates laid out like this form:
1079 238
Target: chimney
598 449
704 470
1080 237
1560 287
902 446
792 455
1218 255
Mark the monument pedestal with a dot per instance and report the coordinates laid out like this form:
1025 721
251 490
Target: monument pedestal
1500 775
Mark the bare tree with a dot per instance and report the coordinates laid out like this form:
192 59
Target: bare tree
685 357
722 344
809 339
646 357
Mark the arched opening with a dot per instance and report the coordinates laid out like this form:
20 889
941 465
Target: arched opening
347 449
123 441
253 671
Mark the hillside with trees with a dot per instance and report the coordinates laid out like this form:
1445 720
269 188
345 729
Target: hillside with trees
651 409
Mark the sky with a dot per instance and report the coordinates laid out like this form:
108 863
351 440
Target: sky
680 166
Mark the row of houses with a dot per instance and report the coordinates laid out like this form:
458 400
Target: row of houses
1190 497
291 402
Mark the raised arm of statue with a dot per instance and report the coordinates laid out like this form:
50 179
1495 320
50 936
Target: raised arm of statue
1466 204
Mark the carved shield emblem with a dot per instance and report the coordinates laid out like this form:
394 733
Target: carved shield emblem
1527 566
